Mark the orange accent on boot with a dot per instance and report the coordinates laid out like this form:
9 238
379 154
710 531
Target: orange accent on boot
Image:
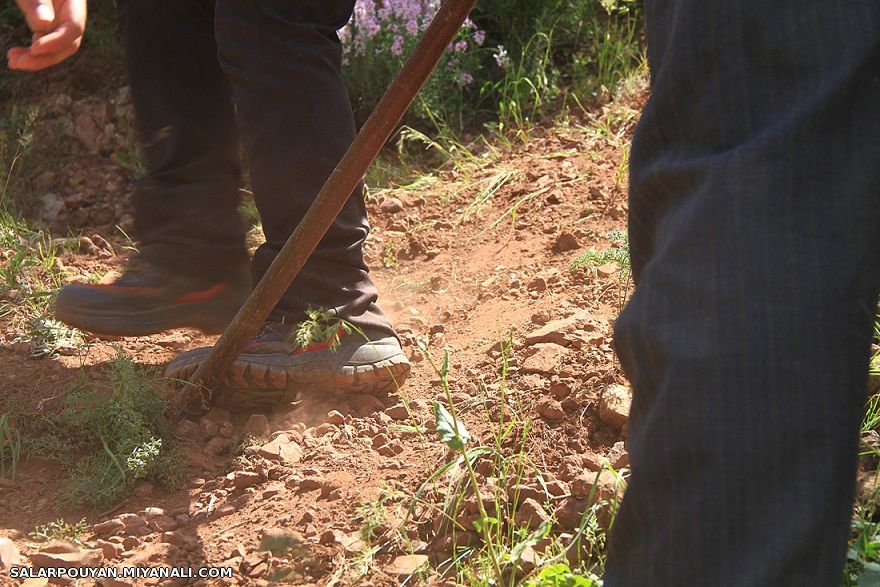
202 296
319 346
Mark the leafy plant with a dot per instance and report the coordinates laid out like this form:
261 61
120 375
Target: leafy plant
60 529
110 441
10 447
320 326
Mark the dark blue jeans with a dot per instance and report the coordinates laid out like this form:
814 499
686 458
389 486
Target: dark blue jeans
199 70
755 241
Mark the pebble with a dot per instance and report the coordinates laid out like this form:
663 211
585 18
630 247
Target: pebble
335 417
397 412
530 514
257 425
9 554
282 450
280 540
406 565
391 206
550 409
393 448
614 405
566 241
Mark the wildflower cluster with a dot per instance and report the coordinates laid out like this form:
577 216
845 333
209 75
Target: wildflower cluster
380 36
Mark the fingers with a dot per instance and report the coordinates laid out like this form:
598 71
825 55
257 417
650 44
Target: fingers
57 41
22 59
39 14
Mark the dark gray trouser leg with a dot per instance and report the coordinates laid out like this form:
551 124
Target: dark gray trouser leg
186 207
755 235
283 59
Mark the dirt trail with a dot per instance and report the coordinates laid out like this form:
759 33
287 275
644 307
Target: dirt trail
460 261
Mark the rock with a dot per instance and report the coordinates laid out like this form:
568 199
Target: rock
153 512
379 440
39 582
406 565
335 417
546 360
538 284
527 560
80 558
564 332
51 207
393 448
607 270
335 485
365 404
566 242
257 425
9 555
594 462
560 390
569 512
398 412
605 487
163 524
218 445
111 550
281 450
245 479
131 521
618 456
519 493
130 542
187 430
391 206
558 488
176 538
279 541
325 429
614 406
570 467
550 409
530 514
58 547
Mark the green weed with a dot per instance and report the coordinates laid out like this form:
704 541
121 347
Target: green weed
112 438
863 555
10 447
60 529
320 326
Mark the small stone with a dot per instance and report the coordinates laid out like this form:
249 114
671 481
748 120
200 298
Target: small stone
538 284
9 555
153 512
245 479
58 547
335 417
519 493
281 450
391 206
175 538
560 390
406 565
618 456
558 488
130 542
566 241
568 514
550 409
163 524
398 412
614 406
111 550
273 489
225 509
607 270
279 541
218 445
257 425
530 514
393 448
606 486
187 430
325 429
545 360
131 521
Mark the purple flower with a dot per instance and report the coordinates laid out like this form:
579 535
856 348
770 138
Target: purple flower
501 57
397 45
479 36
465 79
460 46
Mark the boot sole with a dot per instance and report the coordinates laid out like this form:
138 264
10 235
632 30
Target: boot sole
270 382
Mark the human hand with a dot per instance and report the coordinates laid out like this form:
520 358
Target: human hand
57 27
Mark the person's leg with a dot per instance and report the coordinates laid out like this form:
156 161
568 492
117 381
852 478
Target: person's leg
191 268
283 59
186 207
755 238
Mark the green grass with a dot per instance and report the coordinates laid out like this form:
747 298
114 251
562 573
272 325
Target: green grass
498 558
110 437
60 529
10 447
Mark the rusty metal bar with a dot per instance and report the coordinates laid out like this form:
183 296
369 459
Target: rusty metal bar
333 195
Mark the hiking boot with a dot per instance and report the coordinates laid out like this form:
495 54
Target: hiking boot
147 299
273 369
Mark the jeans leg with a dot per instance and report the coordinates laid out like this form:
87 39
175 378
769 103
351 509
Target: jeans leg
755 237
283 59
186 207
